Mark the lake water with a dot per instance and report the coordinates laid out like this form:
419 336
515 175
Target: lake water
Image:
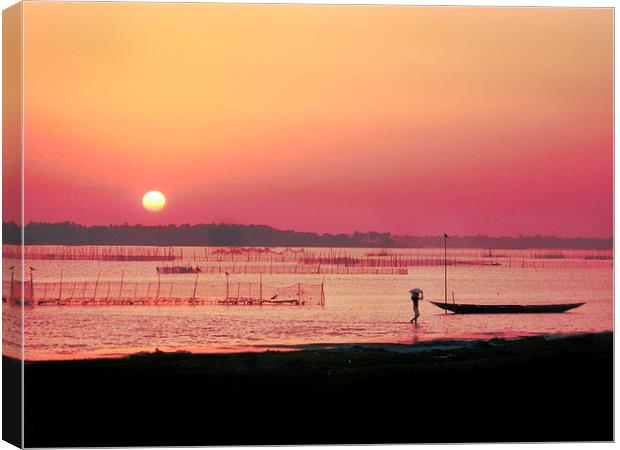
358 308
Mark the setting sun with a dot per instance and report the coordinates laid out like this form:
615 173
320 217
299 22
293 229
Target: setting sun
153 201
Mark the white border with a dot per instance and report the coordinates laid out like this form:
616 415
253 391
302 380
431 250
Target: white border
547 3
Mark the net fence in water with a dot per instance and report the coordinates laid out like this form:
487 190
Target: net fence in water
292 269
102 293
333 261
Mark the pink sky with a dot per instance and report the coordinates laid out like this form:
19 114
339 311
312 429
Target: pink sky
321 118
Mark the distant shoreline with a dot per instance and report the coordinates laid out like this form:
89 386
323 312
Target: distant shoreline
233 235
495 391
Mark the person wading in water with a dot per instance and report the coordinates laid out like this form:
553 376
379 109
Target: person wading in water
416 295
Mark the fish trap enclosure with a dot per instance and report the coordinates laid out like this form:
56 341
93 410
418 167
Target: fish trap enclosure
90 253
109 293
308 261
281 269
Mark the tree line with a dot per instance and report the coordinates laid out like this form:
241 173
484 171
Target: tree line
67 233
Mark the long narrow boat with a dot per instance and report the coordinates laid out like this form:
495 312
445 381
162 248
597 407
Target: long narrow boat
463 308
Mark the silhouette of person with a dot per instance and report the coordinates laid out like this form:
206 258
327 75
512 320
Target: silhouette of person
416 295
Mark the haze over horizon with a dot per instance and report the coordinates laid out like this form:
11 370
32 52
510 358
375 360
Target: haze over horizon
328 119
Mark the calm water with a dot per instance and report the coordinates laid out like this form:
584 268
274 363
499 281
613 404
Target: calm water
359 309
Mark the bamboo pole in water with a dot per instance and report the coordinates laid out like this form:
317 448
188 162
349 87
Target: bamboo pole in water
96 285
12 294
158 284
31 286
227 287
60 288
120 290
195 286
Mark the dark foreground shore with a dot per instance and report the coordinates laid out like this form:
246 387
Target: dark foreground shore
532 389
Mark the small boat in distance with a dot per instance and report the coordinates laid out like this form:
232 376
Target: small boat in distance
462 308
170 270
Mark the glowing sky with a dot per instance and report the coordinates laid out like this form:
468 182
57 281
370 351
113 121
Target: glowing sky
413 120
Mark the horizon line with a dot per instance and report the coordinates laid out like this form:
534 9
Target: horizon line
453 235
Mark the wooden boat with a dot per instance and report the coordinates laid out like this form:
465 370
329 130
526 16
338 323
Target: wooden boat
463 308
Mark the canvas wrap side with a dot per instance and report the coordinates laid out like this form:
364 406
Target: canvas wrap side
12 185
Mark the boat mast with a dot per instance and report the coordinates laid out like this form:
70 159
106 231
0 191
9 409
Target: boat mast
445 268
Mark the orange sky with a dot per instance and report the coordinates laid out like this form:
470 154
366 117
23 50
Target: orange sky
414 120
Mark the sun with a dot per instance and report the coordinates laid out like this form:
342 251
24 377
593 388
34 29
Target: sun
153 201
